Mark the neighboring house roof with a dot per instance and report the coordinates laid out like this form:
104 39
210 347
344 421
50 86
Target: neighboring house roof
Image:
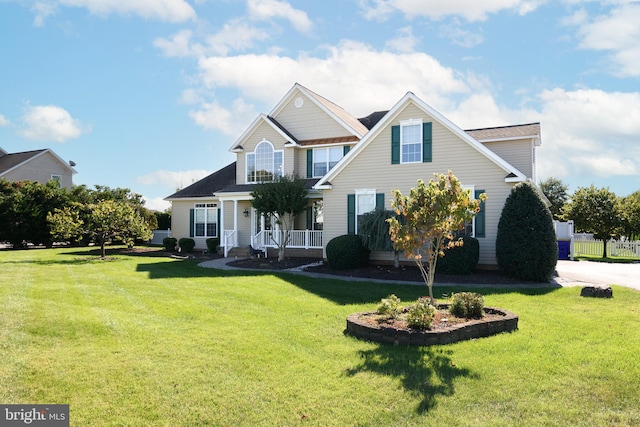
512 174
372 119
208 185
12 161
503 133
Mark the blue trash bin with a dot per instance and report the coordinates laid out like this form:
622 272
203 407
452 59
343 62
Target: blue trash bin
563 249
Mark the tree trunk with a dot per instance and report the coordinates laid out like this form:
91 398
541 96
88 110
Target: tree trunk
604 250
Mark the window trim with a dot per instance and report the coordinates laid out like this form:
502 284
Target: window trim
273 171
339 148
403 144
205 207
57 178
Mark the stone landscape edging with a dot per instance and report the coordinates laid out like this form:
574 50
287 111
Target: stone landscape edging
474 328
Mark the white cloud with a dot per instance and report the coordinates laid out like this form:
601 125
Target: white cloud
460 36
233 121
405 42
4 121
51 123
162 10
470 10
617 33
339 75
178 45
156 204
42 10
268 9
173 181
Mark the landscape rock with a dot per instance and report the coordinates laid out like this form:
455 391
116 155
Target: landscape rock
596 291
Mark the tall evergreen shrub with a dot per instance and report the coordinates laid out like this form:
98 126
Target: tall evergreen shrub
526 245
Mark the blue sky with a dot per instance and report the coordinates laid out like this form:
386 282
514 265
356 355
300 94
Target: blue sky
150 95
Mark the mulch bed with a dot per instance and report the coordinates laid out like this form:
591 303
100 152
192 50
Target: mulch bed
377 271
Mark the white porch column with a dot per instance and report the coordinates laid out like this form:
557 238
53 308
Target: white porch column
235 214
223 235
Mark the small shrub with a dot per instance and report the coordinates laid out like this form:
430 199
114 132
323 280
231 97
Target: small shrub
347 251
212 245
186 244
460 259
389 306
467 304
169 244
421 314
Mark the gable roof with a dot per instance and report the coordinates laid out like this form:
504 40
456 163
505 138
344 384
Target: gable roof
12 161
208 185
342 117
263 118
504 133
512 173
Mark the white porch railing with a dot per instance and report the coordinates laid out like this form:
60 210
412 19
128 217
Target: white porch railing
624 249
302 239
229 240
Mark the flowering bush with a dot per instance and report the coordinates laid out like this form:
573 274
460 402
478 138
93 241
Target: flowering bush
390 306
421 314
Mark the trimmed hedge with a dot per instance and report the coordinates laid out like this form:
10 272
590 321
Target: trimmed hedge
526 245
186 244
460 259
347 251
212 245
169 244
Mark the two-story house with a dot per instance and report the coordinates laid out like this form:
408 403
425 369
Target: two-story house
37 165
351 166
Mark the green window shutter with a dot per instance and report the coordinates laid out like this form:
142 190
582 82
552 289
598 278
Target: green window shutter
427 142
310 163
395 145
309 217
351 214
379 200
218 234
346 149
480 228
191 221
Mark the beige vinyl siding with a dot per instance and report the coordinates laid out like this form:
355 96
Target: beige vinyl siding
372 169
40 169
518 153
309 121
180 218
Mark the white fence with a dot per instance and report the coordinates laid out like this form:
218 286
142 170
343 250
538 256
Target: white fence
619 248
229 240
304 239
158 236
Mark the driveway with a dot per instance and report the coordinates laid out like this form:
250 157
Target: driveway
602 273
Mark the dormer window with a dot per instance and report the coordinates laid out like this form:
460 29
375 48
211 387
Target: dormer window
265 163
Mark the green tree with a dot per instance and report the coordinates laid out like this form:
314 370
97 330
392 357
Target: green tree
598 211
284 199
429 218
556 192
101 222
23 211
631 216
373 229
526 244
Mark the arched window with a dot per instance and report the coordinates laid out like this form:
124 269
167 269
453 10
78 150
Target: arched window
265 163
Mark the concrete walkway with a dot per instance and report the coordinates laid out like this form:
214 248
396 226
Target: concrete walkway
566 276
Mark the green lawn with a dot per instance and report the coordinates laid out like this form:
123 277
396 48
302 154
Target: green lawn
141 341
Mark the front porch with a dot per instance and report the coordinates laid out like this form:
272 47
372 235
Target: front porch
303 242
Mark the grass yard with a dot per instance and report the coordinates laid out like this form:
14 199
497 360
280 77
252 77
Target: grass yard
152 341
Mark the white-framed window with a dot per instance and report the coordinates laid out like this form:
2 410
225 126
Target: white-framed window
365 202
318 215
205 220
411 141
57 179
324 159
469 226
265 163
